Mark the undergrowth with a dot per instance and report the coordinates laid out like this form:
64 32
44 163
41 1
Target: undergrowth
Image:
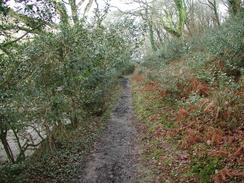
190 103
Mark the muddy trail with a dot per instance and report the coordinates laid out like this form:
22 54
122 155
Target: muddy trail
115 155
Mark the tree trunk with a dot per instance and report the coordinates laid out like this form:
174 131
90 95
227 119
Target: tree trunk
159 36
6 146
74 11
216 13
151 35
62 11
234 6
21 155
213 5
169 24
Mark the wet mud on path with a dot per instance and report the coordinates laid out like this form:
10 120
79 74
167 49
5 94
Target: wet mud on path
115 155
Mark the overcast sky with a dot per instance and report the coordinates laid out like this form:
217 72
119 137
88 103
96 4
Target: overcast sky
121 4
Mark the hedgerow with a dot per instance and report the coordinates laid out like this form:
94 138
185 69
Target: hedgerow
60 78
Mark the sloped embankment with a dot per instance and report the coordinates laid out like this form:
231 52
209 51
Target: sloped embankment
188 136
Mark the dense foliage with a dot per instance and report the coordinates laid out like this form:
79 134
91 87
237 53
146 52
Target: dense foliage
56 74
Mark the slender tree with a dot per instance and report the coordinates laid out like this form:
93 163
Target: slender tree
234 6
176 29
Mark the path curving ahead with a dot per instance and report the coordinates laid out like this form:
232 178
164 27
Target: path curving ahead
115 156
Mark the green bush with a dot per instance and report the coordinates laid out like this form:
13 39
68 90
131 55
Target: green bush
204 167
215 56
10 172
60 77
128 69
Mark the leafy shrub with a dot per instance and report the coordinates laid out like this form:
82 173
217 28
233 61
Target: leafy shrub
204 168
128 69
173 49
9 172
224 43
62 76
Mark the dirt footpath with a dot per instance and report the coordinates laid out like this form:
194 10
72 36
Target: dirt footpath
115 156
